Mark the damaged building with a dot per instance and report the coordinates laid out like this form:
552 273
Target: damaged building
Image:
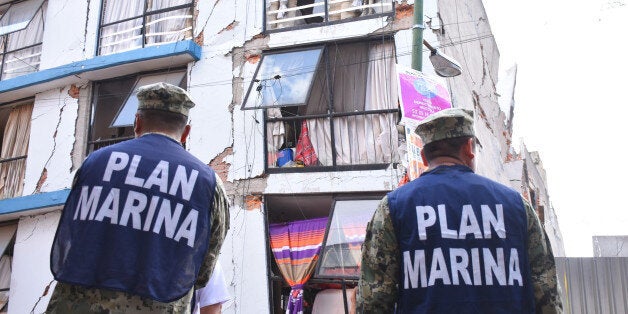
296 110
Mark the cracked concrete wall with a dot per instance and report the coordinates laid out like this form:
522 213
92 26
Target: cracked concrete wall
243 260
229 34
466 36
49 165
70 33
30 273
333 182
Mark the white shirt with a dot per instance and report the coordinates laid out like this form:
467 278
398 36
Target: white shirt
215 291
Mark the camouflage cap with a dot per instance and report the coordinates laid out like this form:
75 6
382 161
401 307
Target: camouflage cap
164 96
445 124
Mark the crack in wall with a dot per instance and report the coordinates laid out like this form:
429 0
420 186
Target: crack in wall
44 173
210 15
86 28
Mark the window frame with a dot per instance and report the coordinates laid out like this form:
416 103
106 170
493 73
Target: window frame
326 21
5 38
275 278
9 106
321 57
10 245
145 14
319 263
331 114
91 143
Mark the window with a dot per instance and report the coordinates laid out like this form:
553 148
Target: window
7 241
21 31
15 124
328 108
289 14
113 111
127 25
294 232
342 252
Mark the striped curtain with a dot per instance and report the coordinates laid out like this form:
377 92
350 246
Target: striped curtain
296 246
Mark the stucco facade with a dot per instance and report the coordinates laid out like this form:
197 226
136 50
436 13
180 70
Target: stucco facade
220 61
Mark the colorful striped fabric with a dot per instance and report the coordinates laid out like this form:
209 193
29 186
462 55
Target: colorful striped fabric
296 246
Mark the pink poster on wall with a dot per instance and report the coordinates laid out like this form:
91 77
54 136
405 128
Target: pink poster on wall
420 95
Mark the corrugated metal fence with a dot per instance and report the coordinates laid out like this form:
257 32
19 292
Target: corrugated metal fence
594 285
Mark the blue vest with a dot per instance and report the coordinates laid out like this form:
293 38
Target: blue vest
136 220
463 244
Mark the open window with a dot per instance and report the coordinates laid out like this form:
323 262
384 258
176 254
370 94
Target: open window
7 241
115 104
315 247
127 25
283 79
328 108
21 31
341 251
15 124
291 14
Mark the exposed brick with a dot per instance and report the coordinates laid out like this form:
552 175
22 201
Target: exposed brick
220 166
253 59
42 179
74 91
253 202
404 10
229 27
200 38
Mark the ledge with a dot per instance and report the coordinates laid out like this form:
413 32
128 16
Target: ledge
100 68
12 208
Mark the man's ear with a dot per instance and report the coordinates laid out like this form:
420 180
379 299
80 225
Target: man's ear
137 125
424 159
186 132
468 149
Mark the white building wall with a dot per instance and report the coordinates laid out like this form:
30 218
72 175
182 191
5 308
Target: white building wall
31 275
49 163
219 124
65 32
243 260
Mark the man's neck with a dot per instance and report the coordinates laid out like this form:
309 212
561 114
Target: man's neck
445 161
162 133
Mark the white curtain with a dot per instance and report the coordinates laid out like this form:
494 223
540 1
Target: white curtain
275 134
362 80
6 235
26 60
381 93
122 36
15 144
169 26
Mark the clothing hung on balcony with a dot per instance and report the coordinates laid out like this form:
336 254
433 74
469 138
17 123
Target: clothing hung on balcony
305 151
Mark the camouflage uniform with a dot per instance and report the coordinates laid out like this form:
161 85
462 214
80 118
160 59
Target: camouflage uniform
68 298
381 260
381 257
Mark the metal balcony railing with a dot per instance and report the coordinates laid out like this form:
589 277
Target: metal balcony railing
289 14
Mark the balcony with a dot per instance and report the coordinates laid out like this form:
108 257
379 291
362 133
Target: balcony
293 14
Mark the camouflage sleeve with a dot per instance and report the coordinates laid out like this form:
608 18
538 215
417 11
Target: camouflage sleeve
219 227
377 288
542 266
